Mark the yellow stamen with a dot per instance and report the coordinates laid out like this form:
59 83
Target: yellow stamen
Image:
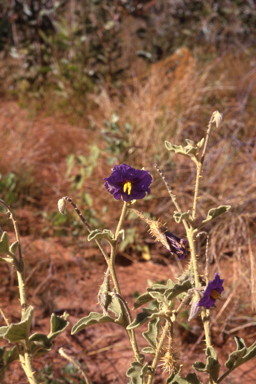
128 187
215 295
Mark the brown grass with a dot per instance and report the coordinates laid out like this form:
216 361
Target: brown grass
173 100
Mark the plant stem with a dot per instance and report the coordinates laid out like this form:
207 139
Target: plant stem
75 363
130 333
158 352
82 218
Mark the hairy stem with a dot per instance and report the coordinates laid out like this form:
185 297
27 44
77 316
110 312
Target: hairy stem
75 363
158 352
82 218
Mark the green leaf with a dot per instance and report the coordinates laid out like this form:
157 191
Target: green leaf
212 365
146 297
14 247
137 372
179 216
4 243
142 299
177 379
178 289
214 212
3 331
149 350
159 297
118 308
151 335
20 331
40 340
146 315
93 318
58 325
241 355
98 234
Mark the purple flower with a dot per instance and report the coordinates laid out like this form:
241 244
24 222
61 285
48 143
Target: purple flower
175 245
212 292
128 183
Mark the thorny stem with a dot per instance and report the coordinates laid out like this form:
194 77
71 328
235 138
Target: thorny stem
75 363
87 226
200 163
130 333
158 352
19 266
205 314
26 359
173 197
4 316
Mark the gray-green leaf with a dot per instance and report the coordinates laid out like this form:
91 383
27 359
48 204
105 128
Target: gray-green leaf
20 331
178 289
212 365
144 316
179 216
98 234
151 335
136 372
4 243
58 325
214 212
93 318
241 355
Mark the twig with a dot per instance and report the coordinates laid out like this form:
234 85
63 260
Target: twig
75 363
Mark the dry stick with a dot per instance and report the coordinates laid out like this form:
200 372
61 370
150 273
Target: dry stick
76 364
87 226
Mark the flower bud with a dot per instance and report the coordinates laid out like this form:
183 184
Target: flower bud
61 205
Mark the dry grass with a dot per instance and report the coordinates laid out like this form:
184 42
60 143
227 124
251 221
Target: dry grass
173 100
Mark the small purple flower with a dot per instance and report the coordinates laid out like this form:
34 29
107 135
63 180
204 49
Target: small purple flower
175 245
212 292
128 183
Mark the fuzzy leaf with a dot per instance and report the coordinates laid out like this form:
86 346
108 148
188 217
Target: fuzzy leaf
118 308
11 355
159 297
241 355
104 298
151 335
177 289
137 372
177 379
4 243
39 339
3 331
212 365
58 325
20 331
214 212
146 297
14 247
146 315
188 150
149 350
178 216
98 234
93 318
